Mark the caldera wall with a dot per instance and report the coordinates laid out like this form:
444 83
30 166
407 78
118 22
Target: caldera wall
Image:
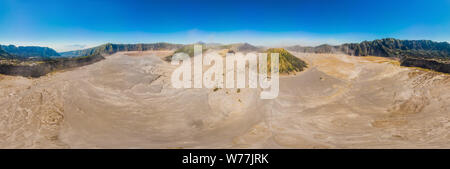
40 68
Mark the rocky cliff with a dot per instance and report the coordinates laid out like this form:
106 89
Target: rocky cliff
40 68
439 66
110 48
416 53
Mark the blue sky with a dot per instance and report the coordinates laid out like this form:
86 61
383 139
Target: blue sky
67 25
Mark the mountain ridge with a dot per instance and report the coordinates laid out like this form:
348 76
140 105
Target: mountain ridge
110 48
4 54
412 53
387 47
26 52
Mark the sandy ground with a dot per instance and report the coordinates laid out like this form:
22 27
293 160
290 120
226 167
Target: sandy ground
126 101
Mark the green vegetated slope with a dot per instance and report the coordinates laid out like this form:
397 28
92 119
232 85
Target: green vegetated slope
4 54
288 63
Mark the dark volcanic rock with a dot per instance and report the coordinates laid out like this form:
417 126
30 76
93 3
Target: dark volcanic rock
40 68
427 64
